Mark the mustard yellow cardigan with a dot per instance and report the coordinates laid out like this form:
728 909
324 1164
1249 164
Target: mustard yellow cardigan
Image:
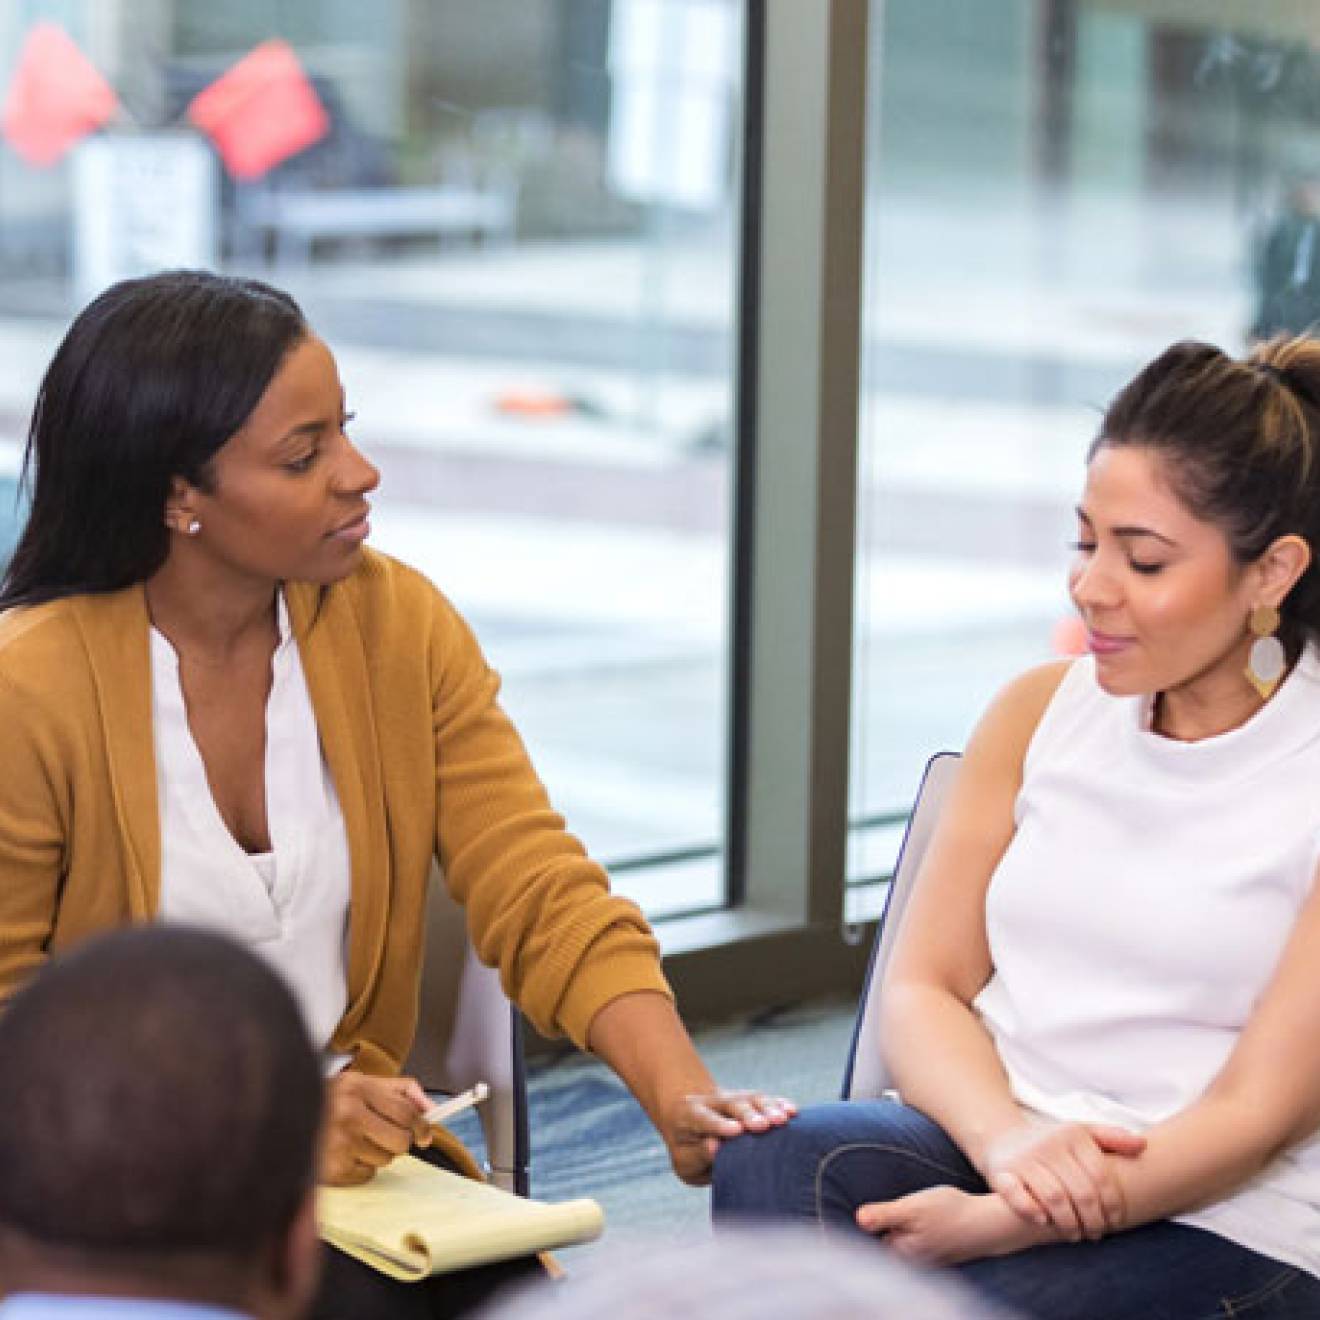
425 763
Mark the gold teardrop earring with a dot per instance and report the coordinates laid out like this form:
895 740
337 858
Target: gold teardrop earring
1266 660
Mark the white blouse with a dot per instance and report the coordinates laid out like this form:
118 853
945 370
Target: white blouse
1139 913
289 905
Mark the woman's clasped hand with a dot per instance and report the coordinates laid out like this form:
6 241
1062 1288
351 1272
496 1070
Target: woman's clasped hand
1063 1175
1049 1182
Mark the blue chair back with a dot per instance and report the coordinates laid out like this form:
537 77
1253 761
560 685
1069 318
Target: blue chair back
866 1076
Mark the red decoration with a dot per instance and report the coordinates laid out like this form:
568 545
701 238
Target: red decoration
261 111
56 98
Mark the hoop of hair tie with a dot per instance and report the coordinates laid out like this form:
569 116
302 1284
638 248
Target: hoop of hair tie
1298 385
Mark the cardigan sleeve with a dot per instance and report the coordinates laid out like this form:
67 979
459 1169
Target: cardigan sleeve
32 842
538 907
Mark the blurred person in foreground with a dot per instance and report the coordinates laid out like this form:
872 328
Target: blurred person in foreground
774 1273
159 1110
1103 1006
220 708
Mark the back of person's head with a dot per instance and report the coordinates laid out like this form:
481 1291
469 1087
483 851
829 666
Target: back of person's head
159 1109
770 1272
150 380
1239 440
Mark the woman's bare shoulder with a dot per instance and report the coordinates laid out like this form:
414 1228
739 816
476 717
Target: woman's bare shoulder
1031 691
1010 721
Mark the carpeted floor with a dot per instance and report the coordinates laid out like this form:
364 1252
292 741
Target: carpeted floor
590 1138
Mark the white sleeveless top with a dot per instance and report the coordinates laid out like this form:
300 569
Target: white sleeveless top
1139 912
289 905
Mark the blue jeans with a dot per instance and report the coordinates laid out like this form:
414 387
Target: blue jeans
833 1158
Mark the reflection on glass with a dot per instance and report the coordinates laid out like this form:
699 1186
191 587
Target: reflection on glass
1056 191
514 223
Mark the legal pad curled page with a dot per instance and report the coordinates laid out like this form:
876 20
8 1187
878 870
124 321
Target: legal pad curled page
413 1219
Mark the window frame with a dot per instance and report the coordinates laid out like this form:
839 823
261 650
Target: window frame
783 935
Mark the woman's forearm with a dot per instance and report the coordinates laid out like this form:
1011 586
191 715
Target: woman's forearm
1198 1156
945 1065
641 1037
644 1041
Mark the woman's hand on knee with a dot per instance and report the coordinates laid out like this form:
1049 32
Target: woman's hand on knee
368 1122
1063 1176
696 1124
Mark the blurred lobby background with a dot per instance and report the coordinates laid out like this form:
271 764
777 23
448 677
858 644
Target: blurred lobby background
544 238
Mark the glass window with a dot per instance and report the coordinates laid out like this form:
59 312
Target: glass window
515 223
1056 191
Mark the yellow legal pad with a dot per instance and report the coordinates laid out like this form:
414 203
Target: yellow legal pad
413 1219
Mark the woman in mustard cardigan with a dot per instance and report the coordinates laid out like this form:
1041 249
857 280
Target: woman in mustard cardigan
219 707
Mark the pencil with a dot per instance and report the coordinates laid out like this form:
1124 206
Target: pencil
446 1109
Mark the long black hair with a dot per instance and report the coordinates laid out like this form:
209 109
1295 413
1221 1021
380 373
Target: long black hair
149 382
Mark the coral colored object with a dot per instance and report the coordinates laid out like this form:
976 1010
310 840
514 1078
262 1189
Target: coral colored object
261 111
1069 637
533 403
56 98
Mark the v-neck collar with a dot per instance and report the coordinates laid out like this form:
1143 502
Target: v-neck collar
334 661
115 628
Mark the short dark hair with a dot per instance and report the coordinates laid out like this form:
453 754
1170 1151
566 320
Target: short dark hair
158 1095
1240 441
150 380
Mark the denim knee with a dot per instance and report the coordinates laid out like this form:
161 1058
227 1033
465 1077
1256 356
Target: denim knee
774 1174
743 1182
753 1176
832 1158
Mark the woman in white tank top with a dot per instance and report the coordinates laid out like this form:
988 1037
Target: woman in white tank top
1103 1012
